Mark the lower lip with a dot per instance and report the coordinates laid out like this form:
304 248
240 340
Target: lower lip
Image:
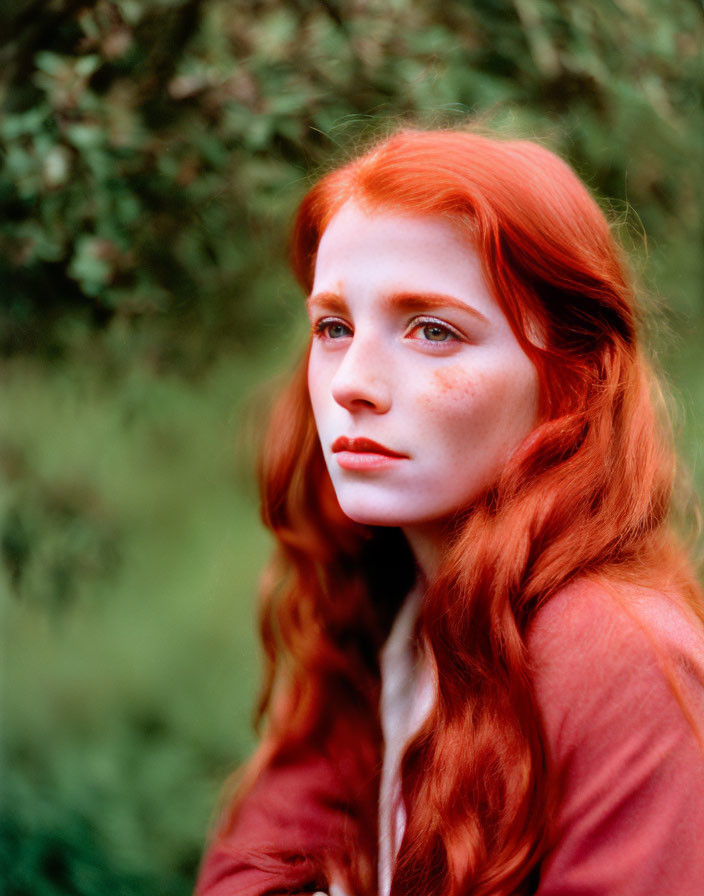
365 460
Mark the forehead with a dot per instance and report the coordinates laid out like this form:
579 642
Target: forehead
365 250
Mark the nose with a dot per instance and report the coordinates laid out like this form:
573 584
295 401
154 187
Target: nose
362 379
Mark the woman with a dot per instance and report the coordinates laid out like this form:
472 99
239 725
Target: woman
485 660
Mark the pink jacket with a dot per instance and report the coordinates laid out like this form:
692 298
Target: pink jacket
631 821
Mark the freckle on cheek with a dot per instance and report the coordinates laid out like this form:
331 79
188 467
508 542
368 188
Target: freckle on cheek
452 382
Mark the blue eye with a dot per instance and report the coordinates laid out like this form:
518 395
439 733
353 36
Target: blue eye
331 329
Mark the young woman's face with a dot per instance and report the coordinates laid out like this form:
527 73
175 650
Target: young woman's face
419 387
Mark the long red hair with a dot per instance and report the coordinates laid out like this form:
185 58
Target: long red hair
588 493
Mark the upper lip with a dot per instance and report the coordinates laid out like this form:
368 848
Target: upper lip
363 446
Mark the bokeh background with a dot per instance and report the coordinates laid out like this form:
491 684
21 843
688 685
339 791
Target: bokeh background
152 154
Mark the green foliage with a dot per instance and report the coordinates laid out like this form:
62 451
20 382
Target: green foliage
54 536
66 859
126 696
151 155
153 151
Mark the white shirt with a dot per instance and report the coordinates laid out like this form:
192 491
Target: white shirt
407 696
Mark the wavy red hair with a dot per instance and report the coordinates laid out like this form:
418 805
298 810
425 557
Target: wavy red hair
589 493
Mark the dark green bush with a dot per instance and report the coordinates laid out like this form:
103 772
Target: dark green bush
152 150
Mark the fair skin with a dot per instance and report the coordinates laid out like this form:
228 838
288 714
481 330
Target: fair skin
419 387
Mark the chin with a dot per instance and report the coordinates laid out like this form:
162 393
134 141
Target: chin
371 514
370 518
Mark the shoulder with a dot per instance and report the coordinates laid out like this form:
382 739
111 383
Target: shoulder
606 653
612 636
614 614
619 680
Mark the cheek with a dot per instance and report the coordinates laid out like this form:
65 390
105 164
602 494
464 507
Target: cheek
453 384
458 407
317 379
482 406
311 384
315 395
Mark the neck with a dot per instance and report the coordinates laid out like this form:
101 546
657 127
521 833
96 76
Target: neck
427 541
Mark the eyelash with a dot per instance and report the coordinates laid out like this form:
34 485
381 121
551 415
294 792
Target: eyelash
320 327
420 322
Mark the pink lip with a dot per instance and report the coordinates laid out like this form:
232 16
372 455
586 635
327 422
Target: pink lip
363 446
363 454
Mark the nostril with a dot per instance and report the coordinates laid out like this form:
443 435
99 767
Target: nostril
360 381
359 394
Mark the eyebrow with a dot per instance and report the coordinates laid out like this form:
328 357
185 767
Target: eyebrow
403 301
